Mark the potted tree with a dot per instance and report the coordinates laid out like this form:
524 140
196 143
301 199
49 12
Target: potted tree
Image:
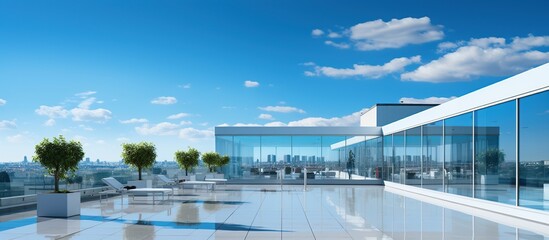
488 163
210 159
140 156
221 161
187 160
58 157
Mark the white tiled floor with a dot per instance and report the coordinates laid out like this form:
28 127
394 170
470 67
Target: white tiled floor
264 212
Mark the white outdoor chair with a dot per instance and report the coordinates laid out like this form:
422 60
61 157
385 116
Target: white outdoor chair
119 188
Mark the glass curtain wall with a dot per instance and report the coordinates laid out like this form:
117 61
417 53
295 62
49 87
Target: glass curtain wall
495 154
534 151
433 156
308 150
413 156
388 158
458 161
276 154
245 161
399 152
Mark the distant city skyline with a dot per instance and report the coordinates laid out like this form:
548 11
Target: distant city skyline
106 73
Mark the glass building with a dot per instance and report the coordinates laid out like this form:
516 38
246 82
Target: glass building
490 145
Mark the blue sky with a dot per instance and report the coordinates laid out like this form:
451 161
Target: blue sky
107 72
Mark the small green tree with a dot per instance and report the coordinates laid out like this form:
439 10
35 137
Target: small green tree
222 161
488 161
187 160
350 163
139 155
210 159
58 157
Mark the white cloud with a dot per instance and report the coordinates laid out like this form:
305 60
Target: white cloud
376 35
337 45
429 100
446 46
334 35
204 124
50 122
15 138
178 116
96 115
134 120
317 32
185 86
184 123
5 124
366 71
195 134
85 94
281 109
123 139
483 57
396 33
52 112
100 142
348 120
86 103
3 102
247 125
275 124
161 129
251 84
164 100
228 107
266 116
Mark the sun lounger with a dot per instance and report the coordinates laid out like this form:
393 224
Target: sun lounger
119 188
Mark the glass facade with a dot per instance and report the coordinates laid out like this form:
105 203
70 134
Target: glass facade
325 157
474 154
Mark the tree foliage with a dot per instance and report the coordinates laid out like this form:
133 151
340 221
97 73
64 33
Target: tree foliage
210 159
223 160
58 157
139 155
187 159
488 162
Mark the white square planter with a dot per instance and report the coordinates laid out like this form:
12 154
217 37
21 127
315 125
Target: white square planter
58 204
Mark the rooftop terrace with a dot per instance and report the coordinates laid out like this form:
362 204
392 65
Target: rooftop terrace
269 212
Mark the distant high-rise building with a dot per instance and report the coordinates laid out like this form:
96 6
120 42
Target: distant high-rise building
271 158
287 158
25 160
87 160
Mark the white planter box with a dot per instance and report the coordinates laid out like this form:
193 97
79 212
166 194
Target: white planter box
58 204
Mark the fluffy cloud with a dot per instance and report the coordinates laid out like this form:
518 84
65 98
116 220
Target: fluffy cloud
97 115
134 120
251 84
317 32
281 109
266 116
50 122
337 45
85 94
429 100
5 124
164 100
396 33
185 86
161 129
52 112
195 134
183 123
3 102
348 120
482 57
178 116
365 71
123 139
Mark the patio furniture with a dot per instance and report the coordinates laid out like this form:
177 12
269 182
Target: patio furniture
166 182
119 188
208 184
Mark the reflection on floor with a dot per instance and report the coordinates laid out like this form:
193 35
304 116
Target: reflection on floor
264 212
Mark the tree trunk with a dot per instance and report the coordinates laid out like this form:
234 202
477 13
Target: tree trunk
56 181
139 169
186 172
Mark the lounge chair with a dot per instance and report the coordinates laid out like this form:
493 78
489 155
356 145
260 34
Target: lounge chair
218 178
119 188
166 182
